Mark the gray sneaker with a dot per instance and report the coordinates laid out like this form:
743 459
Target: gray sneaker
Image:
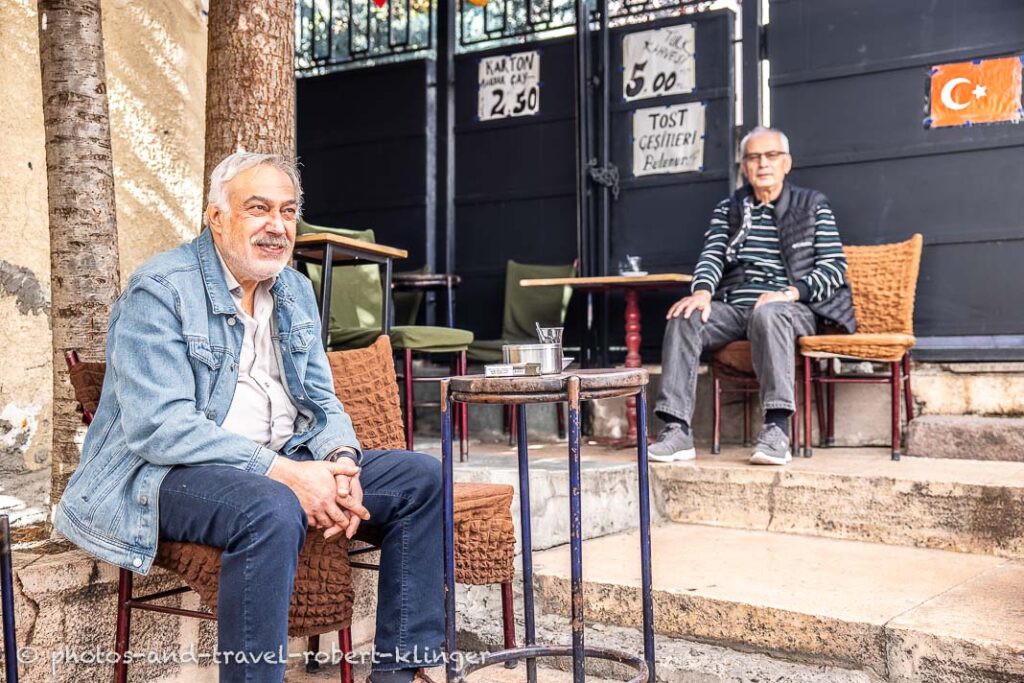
673 444
772 447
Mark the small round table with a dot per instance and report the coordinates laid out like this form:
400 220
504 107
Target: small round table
572 387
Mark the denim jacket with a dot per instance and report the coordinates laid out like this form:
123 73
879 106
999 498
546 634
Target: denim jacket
173 346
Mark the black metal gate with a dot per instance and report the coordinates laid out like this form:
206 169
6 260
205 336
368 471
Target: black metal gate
373 143
848 84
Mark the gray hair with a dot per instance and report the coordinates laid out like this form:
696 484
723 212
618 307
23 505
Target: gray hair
233 164
761 130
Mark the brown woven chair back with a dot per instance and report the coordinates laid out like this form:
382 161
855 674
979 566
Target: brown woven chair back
883 279
87 382
365 383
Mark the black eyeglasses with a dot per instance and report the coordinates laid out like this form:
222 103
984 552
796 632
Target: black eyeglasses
770 156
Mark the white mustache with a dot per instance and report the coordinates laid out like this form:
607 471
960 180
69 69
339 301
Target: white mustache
269 241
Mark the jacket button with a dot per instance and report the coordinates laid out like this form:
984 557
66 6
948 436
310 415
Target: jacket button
231 321
144 500
211 414
136 562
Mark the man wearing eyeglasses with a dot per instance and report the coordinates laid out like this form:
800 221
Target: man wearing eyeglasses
772 269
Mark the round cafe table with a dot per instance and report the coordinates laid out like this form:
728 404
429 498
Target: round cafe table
571 387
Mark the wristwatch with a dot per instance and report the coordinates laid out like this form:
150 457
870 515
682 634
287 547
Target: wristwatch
339 453
788 293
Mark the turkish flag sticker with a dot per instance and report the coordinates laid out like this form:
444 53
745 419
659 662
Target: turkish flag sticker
979 91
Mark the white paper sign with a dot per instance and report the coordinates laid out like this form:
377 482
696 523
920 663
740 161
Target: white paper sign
509 85
659 62
668 139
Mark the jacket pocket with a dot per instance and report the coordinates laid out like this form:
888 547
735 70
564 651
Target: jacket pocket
301 339
199 350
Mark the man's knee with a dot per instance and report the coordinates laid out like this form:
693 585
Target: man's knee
275 514
767 317
424 476
684 327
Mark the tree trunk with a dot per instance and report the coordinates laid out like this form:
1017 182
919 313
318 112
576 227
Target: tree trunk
250 79
80 186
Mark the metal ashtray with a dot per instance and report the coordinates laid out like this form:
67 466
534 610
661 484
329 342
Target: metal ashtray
548 356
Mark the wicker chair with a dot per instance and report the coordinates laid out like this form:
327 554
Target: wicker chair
883 279
323 595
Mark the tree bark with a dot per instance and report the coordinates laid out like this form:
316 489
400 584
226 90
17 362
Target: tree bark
250 80
84 272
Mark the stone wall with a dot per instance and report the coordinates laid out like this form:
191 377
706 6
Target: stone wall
156 65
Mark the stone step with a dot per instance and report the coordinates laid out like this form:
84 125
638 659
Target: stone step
857 494
676 660
968 437
905 614
610 499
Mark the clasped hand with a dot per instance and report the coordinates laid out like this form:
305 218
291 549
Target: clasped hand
329 492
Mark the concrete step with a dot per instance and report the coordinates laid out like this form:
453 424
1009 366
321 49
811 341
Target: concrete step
610 501
858 494
904 614
677 660
967 437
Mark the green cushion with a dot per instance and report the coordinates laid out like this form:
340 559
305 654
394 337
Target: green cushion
487 350
416 337
355 290
356 299
407 303
526 306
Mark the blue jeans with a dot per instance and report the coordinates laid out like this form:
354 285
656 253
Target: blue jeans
261 528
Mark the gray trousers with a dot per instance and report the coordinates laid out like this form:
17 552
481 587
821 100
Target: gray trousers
772 330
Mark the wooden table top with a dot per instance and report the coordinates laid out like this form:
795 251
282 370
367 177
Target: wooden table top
313 244
594 383
609 281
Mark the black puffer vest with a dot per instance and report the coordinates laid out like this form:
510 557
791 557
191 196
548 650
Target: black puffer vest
794 218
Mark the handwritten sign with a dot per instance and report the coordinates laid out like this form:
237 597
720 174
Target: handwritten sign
509 85
668 139
659 62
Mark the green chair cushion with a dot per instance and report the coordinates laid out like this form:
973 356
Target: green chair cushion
487 350
415 337
525 306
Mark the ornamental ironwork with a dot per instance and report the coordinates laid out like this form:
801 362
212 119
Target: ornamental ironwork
332 34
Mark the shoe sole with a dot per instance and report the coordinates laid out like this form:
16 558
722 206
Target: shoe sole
685 454
759 458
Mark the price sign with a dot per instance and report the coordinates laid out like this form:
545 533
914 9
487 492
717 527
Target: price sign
658 63
509 85
668 139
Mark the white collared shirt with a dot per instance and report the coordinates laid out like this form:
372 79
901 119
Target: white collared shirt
262 408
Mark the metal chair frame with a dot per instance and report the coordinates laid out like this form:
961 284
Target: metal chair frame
897 377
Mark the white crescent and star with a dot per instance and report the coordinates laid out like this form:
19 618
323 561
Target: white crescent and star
947 93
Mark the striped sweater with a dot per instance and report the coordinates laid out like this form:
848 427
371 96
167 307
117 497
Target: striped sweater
761 259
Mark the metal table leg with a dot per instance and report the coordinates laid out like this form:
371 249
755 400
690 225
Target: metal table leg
326 270
7 590
576 532
530 635
387 312
447 486
645 529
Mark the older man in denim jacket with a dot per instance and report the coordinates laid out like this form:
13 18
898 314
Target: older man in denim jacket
219 425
